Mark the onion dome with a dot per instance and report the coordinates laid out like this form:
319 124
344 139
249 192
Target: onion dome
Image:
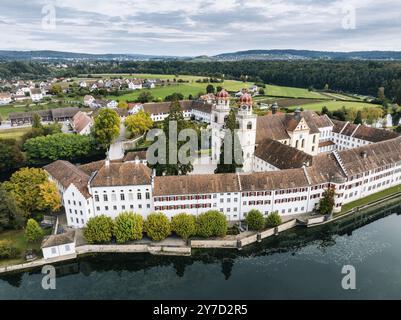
246 99
223 95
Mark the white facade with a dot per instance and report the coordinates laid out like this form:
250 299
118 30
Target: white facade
5 98
114 200
59 251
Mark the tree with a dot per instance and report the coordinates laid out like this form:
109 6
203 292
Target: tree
56 89
212 223
157 226
167 167
61 146
261 91
106 127
50 197
326 204
139 123
144 97
184 225
128 227
273 220
7 250
381 94
11 216
24 185
36 121
372 114
99 229
358 119
175 96
210 89
11 156
255 220
33 231
123 105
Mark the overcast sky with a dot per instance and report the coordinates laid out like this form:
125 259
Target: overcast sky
198 27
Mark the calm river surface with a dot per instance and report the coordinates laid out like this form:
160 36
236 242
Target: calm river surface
300 264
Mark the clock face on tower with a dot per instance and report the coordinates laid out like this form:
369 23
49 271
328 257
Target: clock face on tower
244 108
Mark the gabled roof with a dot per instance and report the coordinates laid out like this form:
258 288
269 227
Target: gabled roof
80 121
196 184
122 174
371 157
363 132
58 239
282 156
66 174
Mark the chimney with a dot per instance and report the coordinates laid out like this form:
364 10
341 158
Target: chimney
107 161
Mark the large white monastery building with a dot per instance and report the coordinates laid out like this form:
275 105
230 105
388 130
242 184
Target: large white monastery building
290 160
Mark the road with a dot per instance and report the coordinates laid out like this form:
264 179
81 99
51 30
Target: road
116 149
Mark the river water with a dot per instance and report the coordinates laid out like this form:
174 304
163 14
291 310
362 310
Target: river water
298 264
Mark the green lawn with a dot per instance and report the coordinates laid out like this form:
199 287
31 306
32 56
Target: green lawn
335 105
16 133
369 199
278 91
17 237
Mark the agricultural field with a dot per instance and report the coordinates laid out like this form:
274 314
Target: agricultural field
335 105
279 91
287 102
16 133
194 88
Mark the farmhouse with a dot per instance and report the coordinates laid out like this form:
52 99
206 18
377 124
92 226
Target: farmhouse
82 123
5 98
60 115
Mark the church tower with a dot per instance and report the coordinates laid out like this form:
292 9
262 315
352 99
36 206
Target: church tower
219 116
247 122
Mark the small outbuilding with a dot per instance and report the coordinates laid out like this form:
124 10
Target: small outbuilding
59 245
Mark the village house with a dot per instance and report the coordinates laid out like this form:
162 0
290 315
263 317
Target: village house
82 123
36 95
5 98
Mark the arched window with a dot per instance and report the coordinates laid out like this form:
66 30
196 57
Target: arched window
237 125
303 143
249 126
215 119
296 144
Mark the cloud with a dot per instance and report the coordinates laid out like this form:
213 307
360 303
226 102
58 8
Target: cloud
196 27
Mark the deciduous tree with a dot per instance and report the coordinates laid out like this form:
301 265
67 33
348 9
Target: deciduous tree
33 231
107 127
157 226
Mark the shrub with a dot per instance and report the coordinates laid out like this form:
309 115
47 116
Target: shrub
7 251
33 231
273 220
255 220
157 226
184 225
211 224
99 229
128 227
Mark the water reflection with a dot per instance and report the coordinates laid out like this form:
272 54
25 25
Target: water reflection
300 246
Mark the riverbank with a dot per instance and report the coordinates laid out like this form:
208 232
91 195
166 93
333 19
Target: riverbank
175 247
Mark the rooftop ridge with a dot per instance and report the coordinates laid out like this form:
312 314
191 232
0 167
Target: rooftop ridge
340 162
356 129
344 127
